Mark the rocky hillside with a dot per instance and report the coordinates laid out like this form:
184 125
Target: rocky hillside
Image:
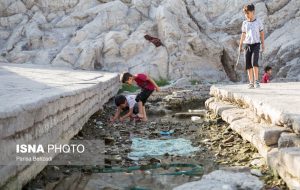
200 37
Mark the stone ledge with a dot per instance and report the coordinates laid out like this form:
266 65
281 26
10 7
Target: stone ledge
243 109
43 104
286 163
272 102
264 138
289 140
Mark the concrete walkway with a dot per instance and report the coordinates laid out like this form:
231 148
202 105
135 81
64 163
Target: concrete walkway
278 103
269 118
44 105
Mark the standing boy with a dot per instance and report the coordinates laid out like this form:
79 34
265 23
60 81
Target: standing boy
147 86
252 37
267 75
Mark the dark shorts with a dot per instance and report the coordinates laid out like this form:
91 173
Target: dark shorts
251 55
143 95
135 109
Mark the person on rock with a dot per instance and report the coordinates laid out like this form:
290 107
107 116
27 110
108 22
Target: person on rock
268 73
125 103
147 86
251 39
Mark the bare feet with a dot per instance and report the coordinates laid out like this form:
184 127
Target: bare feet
140 115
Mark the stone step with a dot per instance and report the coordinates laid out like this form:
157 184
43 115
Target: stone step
242 121
289 140
268 118
286 162
277 103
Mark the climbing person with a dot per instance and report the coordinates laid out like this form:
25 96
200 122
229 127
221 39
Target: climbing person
251 39
125 103
267 75
147 86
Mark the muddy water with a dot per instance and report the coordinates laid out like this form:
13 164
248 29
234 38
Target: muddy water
219 147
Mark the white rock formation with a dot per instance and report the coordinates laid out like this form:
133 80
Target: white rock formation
200 37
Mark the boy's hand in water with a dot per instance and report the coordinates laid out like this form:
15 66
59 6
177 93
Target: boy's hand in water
112 119
157 89
121 119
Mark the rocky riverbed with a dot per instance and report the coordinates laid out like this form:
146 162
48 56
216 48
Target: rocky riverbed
219 148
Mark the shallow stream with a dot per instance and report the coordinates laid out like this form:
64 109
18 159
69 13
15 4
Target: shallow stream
215 146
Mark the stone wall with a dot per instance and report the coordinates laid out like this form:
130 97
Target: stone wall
45 105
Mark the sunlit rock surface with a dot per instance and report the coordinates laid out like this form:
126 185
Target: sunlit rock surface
200 38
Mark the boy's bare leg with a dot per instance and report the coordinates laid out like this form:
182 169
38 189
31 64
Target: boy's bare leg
145 115
255 73
140 114
250 75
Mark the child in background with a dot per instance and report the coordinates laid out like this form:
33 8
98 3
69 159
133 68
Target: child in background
125 103
267 75
147 86
251 39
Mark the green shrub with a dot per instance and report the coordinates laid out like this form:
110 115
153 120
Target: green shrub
194 82
162 82
128 88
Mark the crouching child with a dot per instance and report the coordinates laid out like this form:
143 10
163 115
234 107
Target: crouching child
125 103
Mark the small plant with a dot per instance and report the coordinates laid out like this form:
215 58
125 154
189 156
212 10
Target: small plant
128 88
162 82
194 82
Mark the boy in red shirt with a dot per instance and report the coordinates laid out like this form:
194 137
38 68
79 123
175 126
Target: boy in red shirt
267 75
147 86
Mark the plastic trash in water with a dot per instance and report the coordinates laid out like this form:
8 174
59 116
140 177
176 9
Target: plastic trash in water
195 118
166 133
197 111
142 148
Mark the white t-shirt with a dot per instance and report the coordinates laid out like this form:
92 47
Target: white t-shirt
130 100
252 30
